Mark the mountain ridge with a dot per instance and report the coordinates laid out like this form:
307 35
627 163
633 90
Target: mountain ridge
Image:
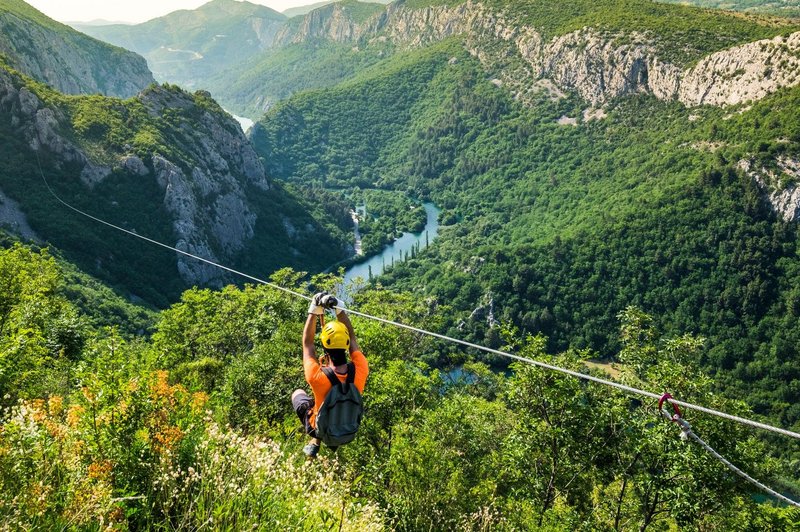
601 50
69 61
186 45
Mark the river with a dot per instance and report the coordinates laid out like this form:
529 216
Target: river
397 250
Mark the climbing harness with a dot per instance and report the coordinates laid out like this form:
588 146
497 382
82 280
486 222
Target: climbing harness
687 433
583 376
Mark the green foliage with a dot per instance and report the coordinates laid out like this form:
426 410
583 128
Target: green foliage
41 333
782 8
140 435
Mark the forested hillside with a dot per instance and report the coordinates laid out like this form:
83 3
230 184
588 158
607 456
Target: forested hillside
189 46
192 426
780 8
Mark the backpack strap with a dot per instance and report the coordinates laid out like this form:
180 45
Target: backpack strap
351 374
331 376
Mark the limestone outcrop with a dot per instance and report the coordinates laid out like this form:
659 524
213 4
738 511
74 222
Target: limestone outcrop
69 61
204 190
779 186
599 66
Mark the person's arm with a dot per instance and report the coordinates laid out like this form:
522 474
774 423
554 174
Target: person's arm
342 317
308 337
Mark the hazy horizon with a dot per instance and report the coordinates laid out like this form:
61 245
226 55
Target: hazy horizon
134 12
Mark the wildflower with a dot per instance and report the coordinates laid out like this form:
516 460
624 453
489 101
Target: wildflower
100 470
199 400
160 388
166 438
38 411
74 415
56 405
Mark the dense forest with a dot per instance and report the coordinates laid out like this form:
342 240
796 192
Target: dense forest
191 426
780 8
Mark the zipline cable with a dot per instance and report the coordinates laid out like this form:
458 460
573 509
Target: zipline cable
687 432
576 374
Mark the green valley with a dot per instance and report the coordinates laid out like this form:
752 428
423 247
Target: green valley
619 185
147 164
566 214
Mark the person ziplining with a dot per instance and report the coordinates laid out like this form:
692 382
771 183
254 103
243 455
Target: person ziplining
334 414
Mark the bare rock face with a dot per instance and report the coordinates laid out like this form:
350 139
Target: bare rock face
208 200
778 187
69 61
598 66
743 73
14 220
330 22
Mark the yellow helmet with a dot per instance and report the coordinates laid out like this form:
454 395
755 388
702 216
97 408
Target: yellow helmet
335 335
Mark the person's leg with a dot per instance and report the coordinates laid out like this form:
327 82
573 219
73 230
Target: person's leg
303 405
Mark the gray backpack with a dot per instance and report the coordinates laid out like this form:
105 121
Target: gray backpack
340 415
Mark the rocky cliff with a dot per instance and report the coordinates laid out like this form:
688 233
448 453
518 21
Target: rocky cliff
204 184
599 65
65 59
779 185
333 22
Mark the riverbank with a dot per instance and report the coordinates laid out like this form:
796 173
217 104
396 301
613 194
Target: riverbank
401 249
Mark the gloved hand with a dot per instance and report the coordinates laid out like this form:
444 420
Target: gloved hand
330 302
315 307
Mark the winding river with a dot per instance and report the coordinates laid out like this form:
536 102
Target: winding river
397 250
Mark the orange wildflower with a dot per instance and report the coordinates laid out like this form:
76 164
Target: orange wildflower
74 415
100 470
167 438
39 412
161 388
199 400
56 405
88 394
55 430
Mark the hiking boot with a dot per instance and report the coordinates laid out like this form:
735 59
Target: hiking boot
311 450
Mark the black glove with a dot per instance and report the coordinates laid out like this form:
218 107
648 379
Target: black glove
328 301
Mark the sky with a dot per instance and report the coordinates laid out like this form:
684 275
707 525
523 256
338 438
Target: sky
132 10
